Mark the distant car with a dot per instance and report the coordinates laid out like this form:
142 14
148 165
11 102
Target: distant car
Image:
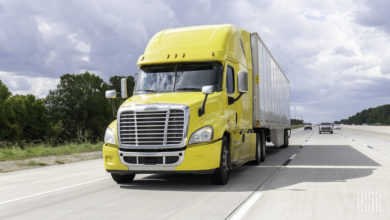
336 127
365 124
325 127
307 126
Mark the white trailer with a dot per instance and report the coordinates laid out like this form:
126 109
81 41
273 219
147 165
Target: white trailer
271 94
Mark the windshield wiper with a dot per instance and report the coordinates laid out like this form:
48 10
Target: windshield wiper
146 90
196 89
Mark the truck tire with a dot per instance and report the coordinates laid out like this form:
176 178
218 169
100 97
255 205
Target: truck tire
128 178
319 132
222 174
285 139
260 149
331 132
262 146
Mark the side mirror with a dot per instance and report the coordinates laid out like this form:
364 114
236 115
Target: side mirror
242 82
207 89
124 88
111 94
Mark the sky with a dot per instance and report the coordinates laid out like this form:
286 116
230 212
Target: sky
336 54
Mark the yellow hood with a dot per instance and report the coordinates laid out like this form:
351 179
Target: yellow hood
186 98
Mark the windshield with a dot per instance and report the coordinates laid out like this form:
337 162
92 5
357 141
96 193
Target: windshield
179 77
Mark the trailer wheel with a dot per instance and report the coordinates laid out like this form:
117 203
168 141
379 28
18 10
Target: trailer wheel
285 139
262 146
222 174
128 178
260 149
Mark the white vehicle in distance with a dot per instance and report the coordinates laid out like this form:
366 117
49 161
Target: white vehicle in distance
326 127
336 127
307 126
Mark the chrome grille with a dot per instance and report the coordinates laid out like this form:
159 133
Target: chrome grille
175 127
152 128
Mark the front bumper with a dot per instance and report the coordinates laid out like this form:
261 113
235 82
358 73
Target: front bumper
200 158
326 129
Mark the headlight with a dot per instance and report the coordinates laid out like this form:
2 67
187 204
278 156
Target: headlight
202 135
109 137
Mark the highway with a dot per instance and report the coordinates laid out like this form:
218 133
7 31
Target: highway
345 175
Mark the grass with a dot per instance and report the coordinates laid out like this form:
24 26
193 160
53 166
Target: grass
296 126
17 153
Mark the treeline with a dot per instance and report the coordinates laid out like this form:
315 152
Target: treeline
294 121
379 115
76 111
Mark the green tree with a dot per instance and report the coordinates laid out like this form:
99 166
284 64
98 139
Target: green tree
4 92
78 108
296 121
26 119
378 115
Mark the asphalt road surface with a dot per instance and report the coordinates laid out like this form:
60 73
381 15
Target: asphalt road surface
345 175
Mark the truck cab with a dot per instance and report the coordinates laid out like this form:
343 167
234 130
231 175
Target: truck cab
192 108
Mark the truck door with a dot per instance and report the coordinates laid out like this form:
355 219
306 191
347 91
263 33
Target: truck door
234 108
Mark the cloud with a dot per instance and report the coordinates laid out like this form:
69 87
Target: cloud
74 36
23 85
375 14
344 51
336 54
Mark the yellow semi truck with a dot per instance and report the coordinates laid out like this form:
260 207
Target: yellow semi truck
206 100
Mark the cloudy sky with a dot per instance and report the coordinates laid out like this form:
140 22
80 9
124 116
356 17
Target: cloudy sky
335 53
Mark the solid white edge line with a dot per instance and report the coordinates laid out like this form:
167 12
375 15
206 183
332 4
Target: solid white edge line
52 191
248 204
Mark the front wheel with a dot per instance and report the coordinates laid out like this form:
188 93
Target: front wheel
222 174
128 178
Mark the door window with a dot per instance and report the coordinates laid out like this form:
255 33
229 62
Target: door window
230 80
